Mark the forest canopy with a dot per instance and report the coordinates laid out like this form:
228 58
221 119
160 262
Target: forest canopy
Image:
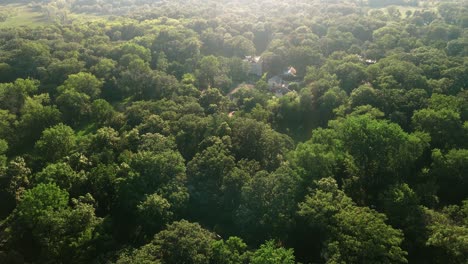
232 132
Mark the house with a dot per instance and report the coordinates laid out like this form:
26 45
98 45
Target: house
291 71
367 61
278 86
276 82
255 65
279 92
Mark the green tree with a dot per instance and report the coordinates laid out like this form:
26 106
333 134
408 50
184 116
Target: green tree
154 212
231 251
380 154
449 170
149 174
27 56
257 141
401 205
315 159
350 75
82 82
63 176
268 205
56 142
3 150
75 106
135 79
102 112
238 46
7 120
44 227
212 100
447 235
209 69
19 176
270 253
353 234
13 95
444 126
180 242
36 116
205 173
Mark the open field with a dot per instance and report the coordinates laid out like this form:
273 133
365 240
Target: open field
21 15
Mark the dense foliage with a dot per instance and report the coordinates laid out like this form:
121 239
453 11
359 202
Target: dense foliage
136 132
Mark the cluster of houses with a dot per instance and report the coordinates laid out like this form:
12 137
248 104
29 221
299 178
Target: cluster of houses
277 84
367 61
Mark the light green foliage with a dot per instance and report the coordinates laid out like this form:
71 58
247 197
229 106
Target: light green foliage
134 49
156 143
350 75
7 125
364 95
238 46
316 160
231 251
444 126
379 152
209 69
62 175
395 73
44 215
27 56
82 82
269 253
102 112
188 86
180 242
105 68
3 150
449 234
19 176
56 142
36 115
13 95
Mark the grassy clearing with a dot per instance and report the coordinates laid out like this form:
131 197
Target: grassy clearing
21 15
24 15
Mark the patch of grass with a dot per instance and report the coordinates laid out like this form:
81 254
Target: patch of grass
21 15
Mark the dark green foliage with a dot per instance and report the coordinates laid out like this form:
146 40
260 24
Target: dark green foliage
268 204
354 234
